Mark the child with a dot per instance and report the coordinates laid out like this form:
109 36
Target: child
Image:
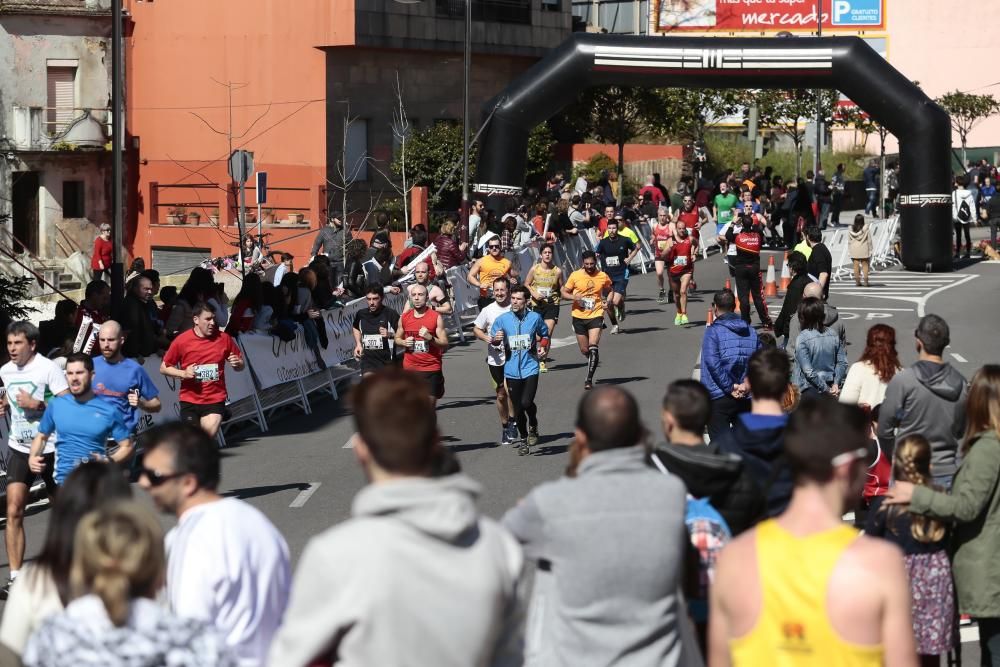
923 541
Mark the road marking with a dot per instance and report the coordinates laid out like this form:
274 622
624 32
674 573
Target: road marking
305 495
923 302
556 343
881 309
969 633
959 358
350 442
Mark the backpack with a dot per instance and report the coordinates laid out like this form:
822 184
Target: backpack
964 212
708 533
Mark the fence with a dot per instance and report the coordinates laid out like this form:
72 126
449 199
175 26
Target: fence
883 234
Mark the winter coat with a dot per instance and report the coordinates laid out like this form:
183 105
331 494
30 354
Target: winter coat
721 477
725 352
974 504
863 385
790 306
332 240
447 251
929 399
820 360
859 245
762 451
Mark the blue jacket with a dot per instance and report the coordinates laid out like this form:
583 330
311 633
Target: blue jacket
520 342
820 360
725 351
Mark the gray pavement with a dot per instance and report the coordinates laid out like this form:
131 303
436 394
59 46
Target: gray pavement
302 473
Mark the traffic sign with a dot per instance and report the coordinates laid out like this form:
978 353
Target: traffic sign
240 165
261 187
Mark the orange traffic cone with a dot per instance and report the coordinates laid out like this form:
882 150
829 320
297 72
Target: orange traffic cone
770 287
786 275
710 317
729 285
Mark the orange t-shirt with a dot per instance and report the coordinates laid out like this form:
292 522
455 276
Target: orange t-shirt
589 289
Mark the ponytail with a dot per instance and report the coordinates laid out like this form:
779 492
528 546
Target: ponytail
911 463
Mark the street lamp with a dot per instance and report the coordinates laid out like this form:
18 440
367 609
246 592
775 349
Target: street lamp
819 95
467 66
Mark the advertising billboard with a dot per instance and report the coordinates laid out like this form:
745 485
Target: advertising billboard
765 16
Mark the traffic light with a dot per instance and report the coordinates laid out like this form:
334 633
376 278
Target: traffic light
746 123
750 122
764 144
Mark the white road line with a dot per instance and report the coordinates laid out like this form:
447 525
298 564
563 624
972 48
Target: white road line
350 442
923 302
562 342
969 633
959 358
879 309
305 494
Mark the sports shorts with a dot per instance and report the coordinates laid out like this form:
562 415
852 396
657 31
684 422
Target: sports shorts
18 471
434 380
619 285
193 412
496 375
548 311
582 326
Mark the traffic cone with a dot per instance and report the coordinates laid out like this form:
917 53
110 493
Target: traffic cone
786 276
710 317
729 286
770 287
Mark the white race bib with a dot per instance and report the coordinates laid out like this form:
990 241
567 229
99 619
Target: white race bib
681 261
611 261
372 342
545 292
420 345
206 372
520 342
662 245
588 303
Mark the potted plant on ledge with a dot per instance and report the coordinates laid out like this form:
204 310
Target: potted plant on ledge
213 217
175 216
194 218
296 218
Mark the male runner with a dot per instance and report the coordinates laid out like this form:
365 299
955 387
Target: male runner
519 331
586 288
616 252
422 336
804 588
198 357
724 205
495 356
120 381
374 332
29 380
660 240
543 281
680 257
486 269
84 421
436 298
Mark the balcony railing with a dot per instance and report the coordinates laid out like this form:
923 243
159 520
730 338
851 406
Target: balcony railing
500 11
44 128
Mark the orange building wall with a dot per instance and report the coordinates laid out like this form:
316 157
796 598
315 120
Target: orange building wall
175 50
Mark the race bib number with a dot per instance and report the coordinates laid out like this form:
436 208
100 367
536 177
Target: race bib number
725 216
520 342
206 372
545 292
588 303
662 245
681 261
372 342
611 261
420 345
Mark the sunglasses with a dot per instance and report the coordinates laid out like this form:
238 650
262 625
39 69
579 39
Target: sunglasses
493 247
156 478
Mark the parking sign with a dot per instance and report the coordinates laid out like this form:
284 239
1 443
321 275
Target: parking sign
857 12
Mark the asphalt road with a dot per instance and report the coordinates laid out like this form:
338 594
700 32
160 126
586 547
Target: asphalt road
303 474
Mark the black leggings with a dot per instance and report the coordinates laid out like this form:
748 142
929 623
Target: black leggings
958 237
522 397
748 287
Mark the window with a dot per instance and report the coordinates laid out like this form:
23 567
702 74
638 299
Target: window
356 151
500 11
73 199
61 95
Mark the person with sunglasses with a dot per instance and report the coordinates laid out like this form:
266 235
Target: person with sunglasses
226 562
488 268
804 588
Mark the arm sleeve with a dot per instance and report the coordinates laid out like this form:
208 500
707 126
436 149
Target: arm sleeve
47 424
233 348
172 356
840 370
888 415
971 492
525 522
317 242
805 366
57 381
147 389
711 362
851 391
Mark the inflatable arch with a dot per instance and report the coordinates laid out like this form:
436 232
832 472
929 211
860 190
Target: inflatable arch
846 64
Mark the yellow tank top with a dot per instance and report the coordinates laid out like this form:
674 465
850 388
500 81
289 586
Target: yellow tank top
489 270
544 281
793 629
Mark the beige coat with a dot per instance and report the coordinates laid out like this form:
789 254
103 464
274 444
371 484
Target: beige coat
860 243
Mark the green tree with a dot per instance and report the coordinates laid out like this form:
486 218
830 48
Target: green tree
540 143
967 110
686 114
14 291
788 112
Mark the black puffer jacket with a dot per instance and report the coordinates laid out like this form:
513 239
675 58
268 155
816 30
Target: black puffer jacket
722 478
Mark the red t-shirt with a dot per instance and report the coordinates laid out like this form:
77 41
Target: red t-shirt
662 236
210 355
408 256
102 252
426 356
653 191
680 249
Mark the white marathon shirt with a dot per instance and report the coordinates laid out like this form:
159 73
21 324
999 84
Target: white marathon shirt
41 378
495 355
229 566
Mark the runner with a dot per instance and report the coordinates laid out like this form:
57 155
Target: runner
436 298
84 422
586 288
486 269
544 280
521 331
422 336
616 252
120 381
724 213
29 380
198 357
680 257
694 218
374 332
660 240
495 356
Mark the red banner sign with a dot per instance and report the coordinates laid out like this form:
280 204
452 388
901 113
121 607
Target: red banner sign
733 16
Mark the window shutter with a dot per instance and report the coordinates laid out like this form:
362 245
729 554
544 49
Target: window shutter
61 98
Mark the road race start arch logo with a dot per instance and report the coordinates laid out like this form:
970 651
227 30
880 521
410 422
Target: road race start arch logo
846 64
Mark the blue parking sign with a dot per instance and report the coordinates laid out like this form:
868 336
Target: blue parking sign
856 12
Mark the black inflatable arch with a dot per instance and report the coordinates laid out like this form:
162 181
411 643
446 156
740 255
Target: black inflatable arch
843 63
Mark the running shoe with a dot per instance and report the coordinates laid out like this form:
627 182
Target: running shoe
588 385
677 320
505 438
532 436
684 319
542 368
661 297
523 449
614 329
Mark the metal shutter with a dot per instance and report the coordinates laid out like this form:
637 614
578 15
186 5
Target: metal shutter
61 98
178 261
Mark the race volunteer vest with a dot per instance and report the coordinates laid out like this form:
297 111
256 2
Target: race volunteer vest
544 282
748 241
489 270
793 629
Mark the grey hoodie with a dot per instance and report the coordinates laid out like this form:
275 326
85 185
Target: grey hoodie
831 316
416 577
610 547
927 399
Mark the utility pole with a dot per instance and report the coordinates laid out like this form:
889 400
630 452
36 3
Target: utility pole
117 170
819 96
467 64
